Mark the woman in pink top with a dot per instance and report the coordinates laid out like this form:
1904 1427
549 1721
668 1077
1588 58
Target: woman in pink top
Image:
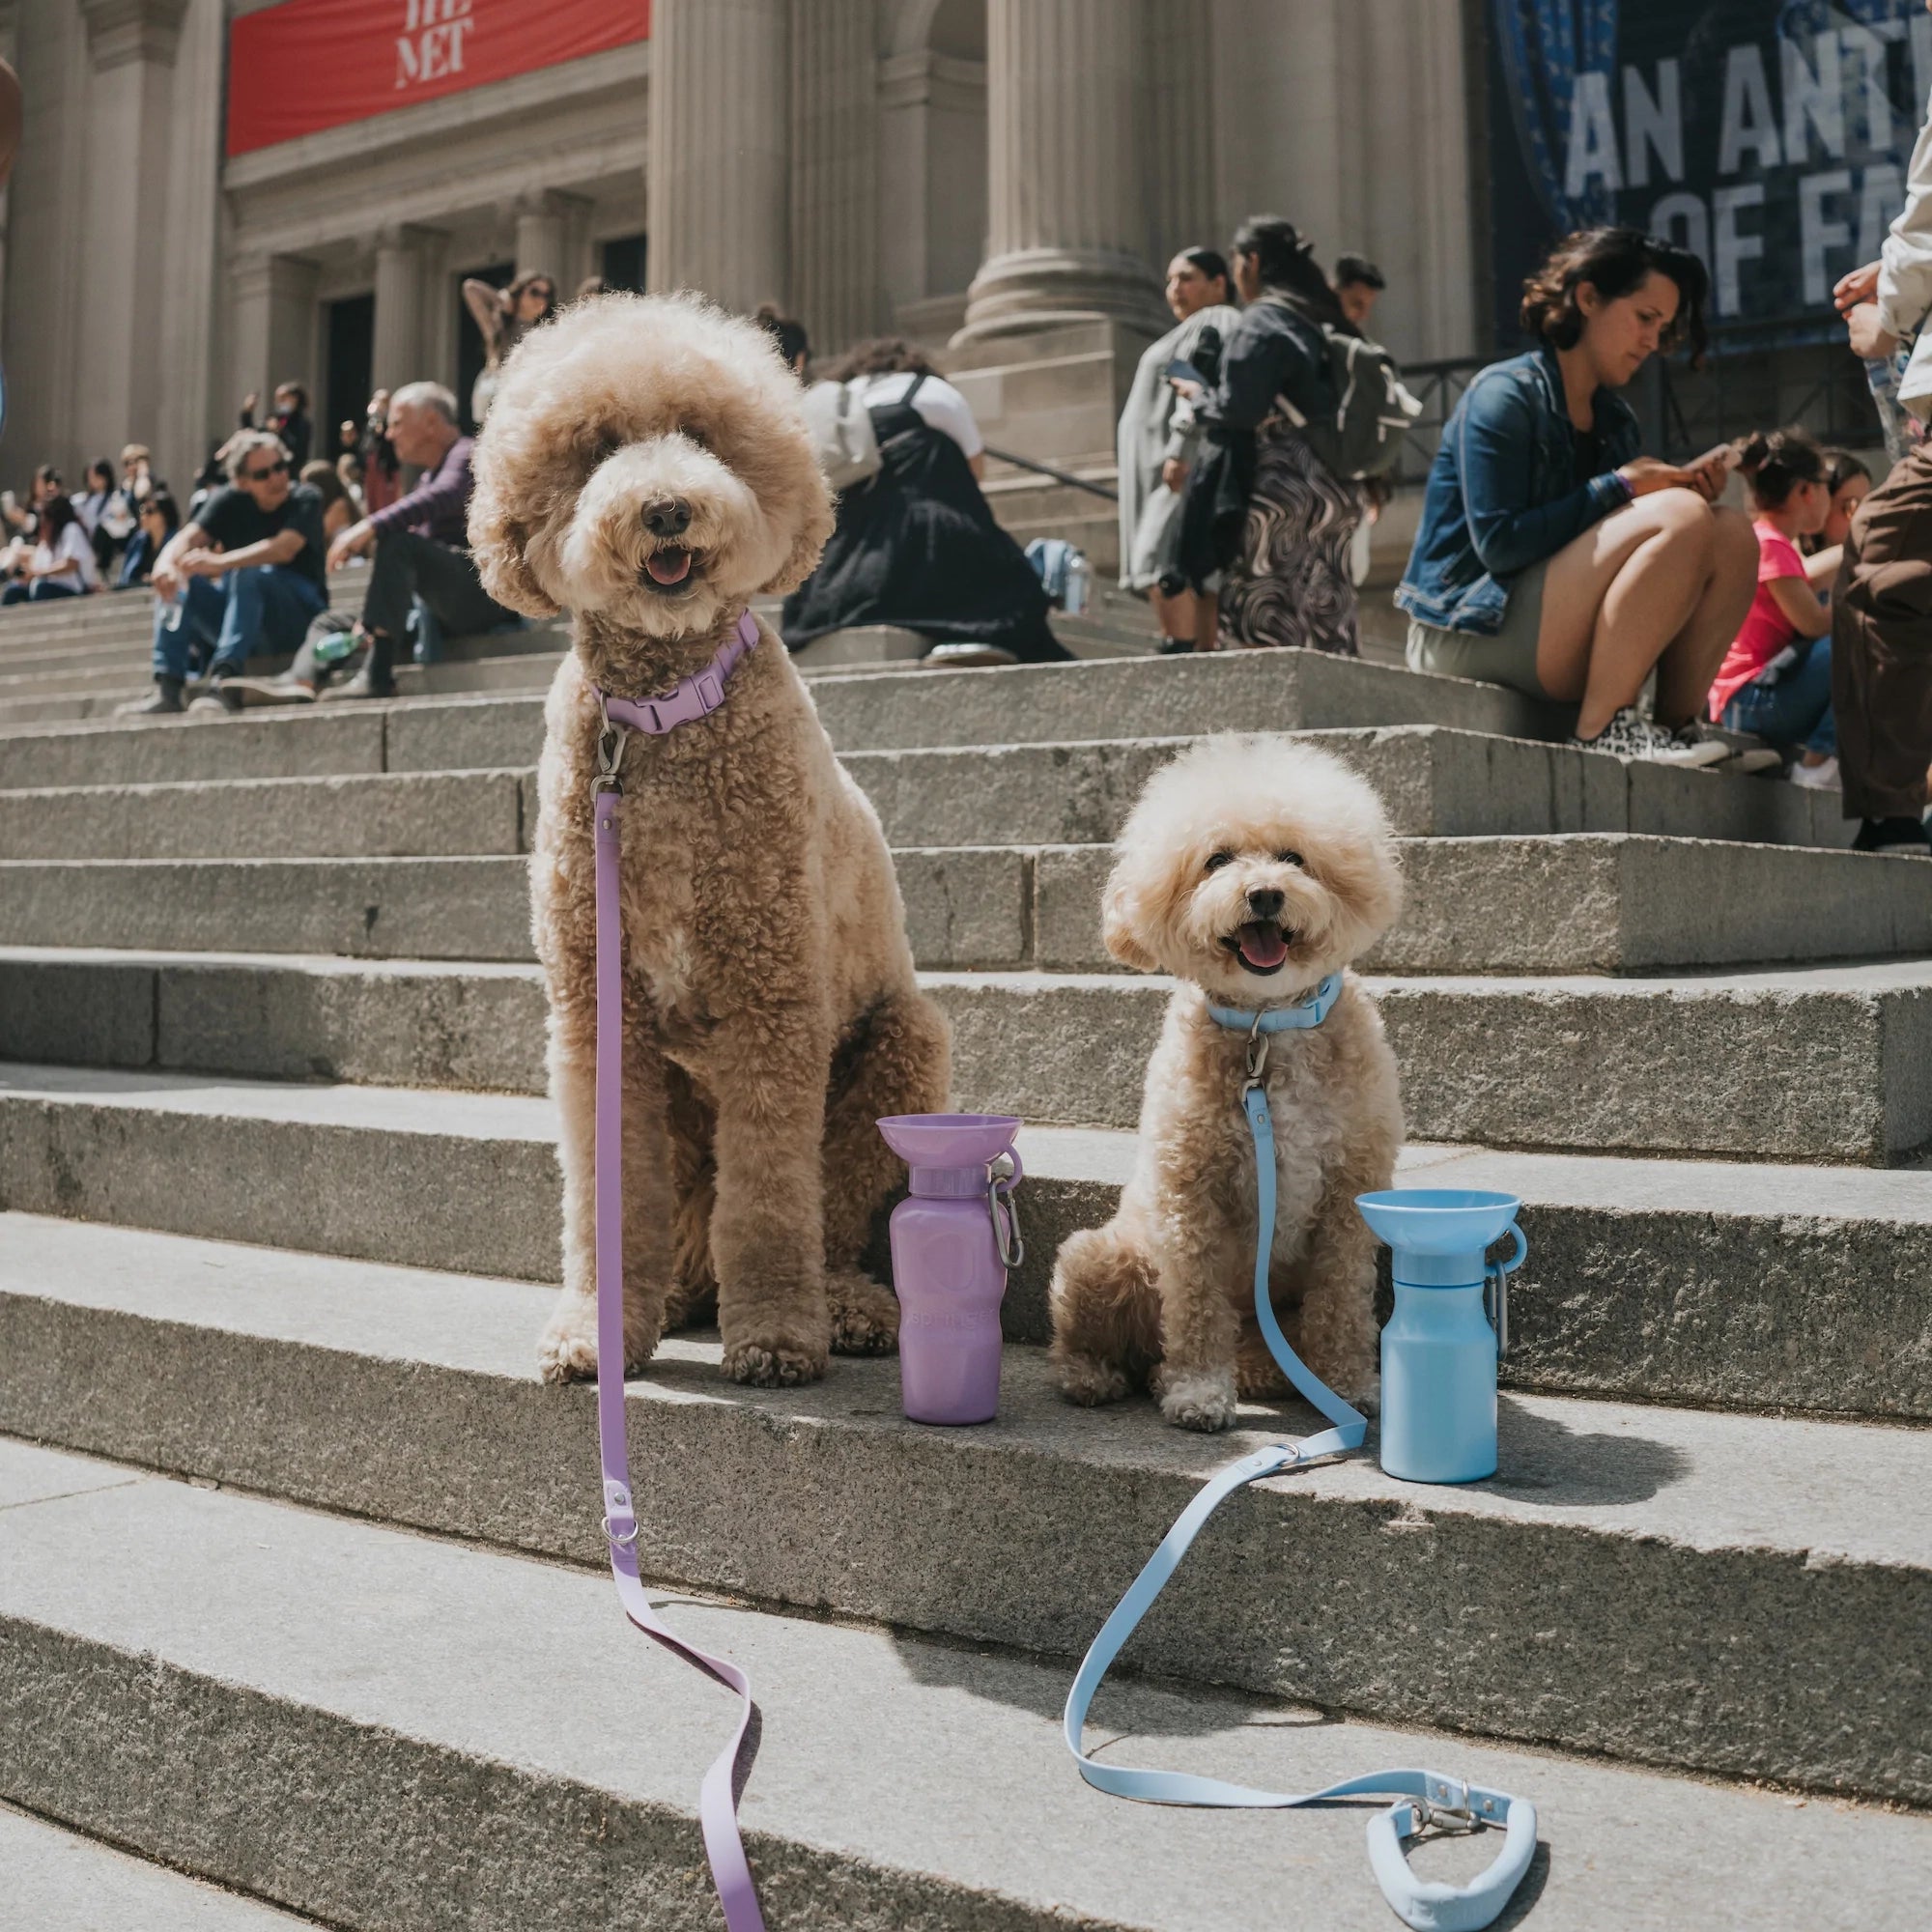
1775 680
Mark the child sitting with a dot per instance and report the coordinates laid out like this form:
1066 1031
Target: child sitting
1850 483
1776 679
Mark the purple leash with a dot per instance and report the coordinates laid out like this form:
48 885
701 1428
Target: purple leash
694 697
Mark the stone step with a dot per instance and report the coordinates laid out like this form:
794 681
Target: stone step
1139 697
397 1734
1717 1282
1434 783
1572 903
1783 1567
1820 1065
58 1881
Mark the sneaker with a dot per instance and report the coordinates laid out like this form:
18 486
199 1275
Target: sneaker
164 702
1175 647
283 689
1816 777
966 656
1904 836
1700 750
1630 736
1748 760
361 685
220 697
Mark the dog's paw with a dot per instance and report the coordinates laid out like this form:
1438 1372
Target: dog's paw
864 1316
772 1368
1089 1380
1203 1400
568 1350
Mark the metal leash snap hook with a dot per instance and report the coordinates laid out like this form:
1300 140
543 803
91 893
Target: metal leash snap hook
1005 1215
1257 1052
611 741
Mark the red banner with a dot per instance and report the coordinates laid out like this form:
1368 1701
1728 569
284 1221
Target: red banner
307 65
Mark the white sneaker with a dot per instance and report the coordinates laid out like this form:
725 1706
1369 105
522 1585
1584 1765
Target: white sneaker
1630 736
964 655
1816 777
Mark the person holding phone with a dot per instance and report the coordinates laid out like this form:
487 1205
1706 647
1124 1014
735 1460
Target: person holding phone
1552 556
1157 441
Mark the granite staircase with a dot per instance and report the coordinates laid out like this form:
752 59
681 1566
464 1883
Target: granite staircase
302 1617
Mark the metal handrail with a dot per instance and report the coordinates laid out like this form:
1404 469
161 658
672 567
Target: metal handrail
1065 476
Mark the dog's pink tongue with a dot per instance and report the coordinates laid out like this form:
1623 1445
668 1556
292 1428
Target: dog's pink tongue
1262 946
668 566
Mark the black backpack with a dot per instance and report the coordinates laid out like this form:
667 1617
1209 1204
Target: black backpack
1373 411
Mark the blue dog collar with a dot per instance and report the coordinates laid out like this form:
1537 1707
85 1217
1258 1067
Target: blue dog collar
1310 1011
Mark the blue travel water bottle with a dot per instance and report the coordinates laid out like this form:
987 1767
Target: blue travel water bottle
1451 1322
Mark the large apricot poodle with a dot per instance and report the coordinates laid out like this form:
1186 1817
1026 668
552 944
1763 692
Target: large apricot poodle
645 468
1250 869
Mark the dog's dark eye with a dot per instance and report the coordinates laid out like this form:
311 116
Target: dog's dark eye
607 446
1287 858
692 434
1217 860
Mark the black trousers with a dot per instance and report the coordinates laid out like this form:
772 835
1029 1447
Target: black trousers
408 566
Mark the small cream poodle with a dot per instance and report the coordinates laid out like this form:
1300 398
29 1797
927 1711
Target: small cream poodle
645 467
1251 869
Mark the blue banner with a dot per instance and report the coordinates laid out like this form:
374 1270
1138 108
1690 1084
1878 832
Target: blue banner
1769 136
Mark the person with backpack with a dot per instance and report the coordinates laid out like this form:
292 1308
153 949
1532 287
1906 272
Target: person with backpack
1304 407
1552 555
915 545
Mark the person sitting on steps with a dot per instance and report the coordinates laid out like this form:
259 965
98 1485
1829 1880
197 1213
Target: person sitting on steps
242 577
1775 680
1552 557
421 542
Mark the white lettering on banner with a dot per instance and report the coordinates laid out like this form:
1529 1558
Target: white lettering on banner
1733 249
430 44
1683 219
1656 120
1593 137
1748 121
1867 52
1883 197
1816 233
1814 94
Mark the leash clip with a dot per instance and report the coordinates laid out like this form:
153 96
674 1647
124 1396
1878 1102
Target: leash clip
1258 1054
1004 1173
611 741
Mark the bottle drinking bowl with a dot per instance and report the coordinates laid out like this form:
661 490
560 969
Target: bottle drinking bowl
954 1239
1451 1323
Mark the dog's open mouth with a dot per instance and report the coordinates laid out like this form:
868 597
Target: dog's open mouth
670 568
1263 947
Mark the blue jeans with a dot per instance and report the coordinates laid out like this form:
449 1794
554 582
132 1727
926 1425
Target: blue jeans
39 591
1796 710
228 619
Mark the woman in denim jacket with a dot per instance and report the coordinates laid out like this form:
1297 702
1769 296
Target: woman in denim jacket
1552 557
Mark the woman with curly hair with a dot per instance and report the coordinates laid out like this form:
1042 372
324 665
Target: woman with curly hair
1552 555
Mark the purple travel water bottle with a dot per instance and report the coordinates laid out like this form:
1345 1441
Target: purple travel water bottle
954 1239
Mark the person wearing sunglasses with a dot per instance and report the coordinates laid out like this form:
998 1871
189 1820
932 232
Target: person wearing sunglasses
241 577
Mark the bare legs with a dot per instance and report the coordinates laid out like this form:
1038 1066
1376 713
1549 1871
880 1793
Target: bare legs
1663 583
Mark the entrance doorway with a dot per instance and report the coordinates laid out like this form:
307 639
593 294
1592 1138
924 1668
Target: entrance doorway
622 263
350 330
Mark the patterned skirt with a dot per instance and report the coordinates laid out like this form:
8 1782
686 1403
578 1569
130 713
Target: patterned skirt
1291 587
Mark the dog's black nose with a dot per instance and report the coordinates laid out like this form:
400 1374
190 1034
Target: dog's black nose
1266 904
667 520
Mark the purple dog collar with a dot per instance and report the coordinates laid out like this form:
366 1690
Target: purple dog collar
691 697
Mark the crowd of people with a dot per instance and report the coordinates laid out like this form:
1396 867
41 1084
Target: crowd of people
1552 556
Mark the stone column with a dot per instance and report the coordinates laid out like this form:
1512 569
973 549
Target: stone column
1067 139
271 304
398 355
718 187
547 244
834 179
125 232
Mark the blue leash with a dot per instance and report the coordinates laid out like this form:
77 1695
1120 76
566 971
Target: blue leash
1424 1797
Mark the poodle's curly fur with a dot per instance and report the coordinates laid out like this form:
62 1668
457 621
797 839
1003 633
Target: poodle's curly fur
1245 849
645 467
